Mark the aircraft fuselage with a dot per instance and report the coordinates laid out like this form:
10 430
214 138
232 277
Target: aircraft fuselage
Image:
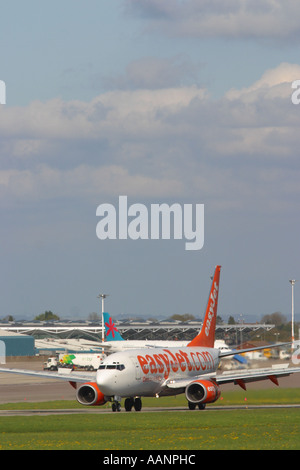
145 372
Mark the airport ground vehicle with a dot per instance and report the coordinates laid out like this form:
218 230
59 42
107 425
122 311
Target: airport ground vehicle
86 361
51 363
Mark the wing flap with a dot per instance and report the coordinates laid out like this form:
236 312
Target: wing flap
255 375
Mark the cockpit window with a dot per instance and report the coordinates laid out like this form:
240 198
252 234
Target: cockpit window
111 366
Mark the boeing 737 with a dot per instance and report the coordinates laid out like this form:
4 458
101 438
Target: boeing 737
156 372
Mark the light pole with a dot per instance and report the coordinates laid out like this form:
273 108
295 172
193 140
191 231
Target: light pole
102 296
293 281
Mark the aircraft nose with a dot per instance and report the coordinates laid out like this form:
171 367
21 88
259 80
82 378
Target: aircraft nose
105 381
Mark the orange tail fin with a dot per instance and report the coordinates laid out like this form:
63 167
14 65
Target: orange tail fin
206 337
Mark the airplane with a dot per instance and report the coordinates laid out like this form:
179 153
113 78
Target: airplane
115 342
157 372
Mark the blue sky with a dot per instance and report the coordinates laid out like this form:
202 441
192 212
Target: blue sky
174 101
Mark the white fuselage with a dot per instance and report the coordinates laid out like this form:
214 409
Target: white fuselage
117 346
145 372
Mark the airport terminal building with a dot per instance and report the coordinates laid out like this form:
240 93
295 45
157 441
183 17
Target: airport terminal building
32 338
14 344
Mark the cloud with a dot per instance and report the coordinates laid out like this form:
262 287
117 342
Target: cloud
45 183
84 149
275 19
156 73
169 143
273 83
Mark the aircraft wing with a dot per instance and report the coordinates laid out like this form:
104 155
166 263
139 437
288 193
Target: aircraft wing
257 348
67 374
255 375
104 346
237 377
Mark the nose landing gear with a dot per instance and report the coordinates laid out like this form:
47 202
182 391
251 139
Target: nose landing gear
116 405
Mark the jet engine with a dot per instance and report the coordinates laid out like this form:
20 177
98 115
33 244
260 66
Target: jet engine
89 394
202 391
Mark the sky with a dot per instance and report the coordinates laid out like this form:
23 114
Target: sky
165 102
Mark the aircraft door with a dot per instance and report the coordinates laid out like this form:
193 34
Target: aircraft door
137 368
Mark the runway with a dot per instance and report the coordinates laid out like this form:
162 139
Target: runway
100 411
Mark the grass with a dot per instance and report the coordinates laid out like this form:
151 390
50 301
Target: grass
236 429
165 430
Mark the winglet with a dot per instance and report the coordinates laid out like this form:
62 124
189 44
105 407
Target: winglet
111 331
206 337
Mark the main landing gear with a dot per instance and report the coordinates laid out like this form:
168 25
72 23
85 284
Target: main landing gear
130 403
192 406
135 403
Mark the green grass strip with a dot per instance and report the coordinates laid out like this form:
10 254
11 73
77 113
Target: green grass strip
276 429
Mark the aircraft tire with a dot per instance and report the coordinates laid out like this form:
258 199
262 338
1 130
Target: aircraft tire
191 406
129 403
201 406
116 407
137 404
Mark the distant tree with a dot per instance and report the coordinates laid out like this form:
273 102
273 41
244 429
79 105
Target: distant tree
8 318
276 318
47 316
231 320
94 317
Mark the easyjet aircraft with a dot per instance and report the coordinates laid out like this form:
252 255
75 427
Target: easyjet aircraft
150 372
